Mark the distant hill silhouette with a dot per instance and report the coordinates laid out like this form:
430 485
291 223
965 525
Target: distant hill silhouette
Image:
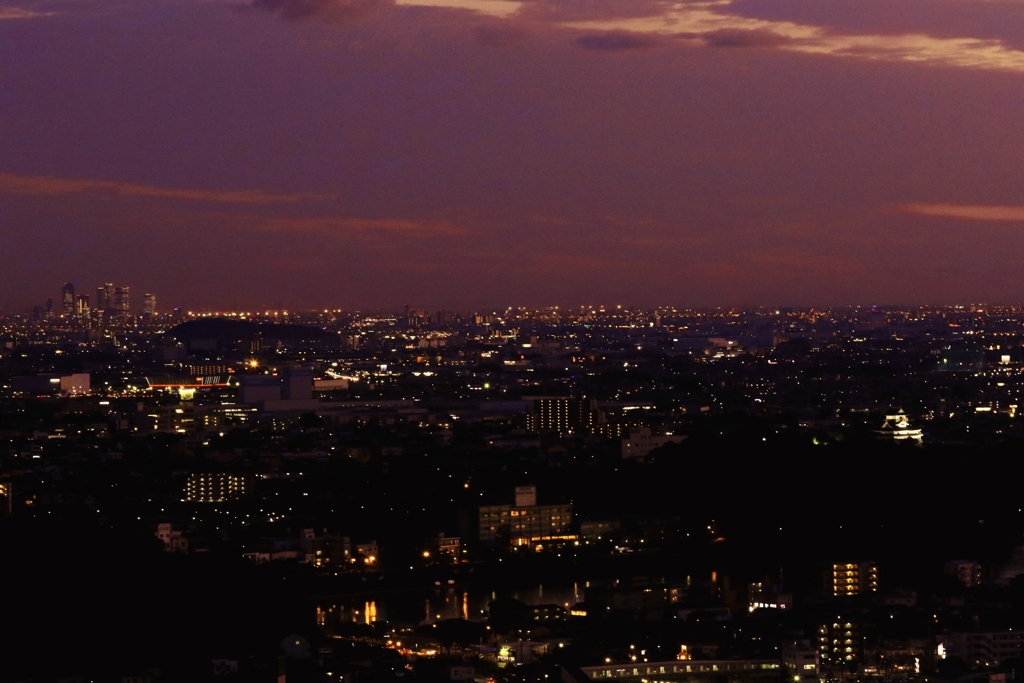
228 331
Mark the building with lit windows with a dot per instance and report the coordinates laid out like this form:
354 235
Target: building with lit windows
82 308
897 427
170 419
854 579
442 545
525 523
217 487
122 305
6 498
75 384
762 595
326 551
801 662
563 415
183 384
105 296
369 552
522 524
613 430
67 296
208 369
675 670
840 640
216 417
989 648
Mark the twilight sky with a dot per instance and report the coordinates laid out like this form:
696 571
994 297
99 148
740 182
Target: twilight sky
472 153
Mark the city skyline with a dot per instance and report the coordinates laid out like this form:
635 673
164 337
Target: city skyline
105 294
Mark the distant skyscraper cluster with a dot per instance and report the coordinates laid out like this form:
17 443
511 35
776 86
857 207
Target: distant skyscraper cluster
110 302
114 299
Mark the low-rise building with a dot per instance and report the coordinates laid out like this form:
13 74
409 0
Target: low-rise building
522 524
986 648
897 427
168 419
967 572
761 595
800 660
526 525
73 384
641 442
173 539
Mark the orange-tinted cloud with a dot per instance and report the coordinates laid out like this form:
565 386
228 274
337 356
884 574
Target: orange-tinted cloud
712 22
968 211
47 186
18 13
496 8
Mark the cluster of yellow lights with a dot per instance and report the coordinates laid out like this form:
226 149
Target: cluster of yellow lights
212 488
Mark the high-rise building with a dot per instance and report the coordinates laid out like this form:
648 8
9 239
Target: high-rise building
840 640
122 301
854 579
82 306
68 300
105 296
149 304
